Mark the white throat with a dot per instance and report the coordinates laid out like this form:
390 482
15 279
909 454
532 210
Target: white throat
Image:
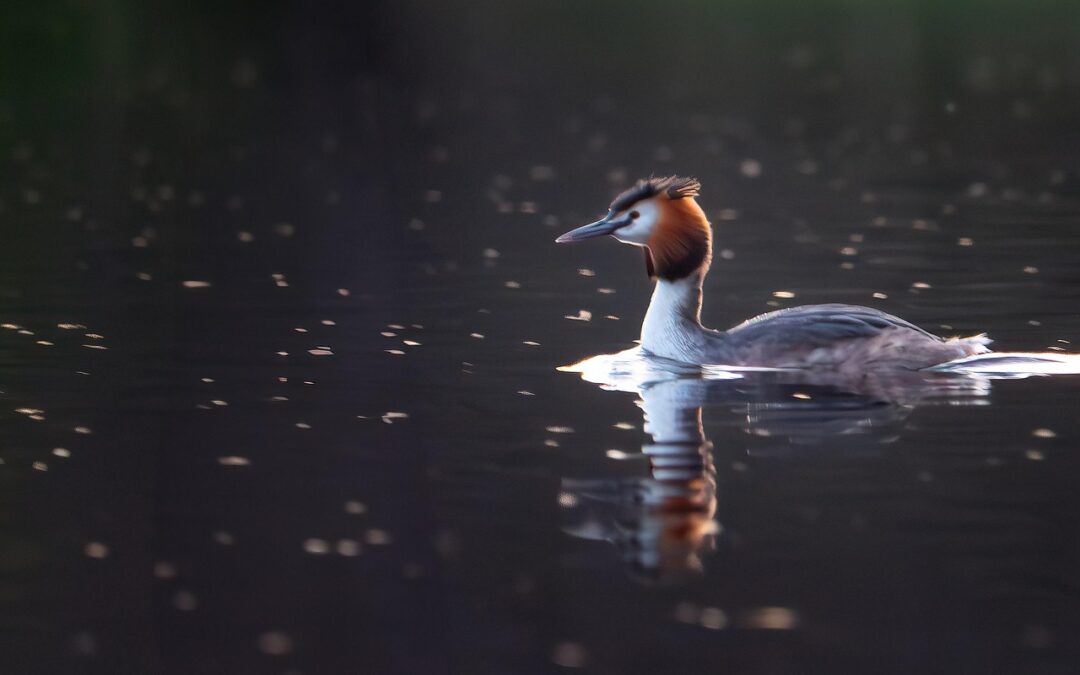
672 326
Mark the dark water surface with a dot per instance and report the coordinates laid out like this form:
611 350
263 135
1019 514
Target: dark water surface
282 315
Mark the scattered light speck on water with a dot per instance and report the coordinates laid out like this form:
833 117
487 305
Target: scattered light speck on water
281 315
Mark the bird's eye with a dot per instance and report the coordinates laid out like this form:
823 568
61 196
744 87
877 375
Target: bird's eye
634 215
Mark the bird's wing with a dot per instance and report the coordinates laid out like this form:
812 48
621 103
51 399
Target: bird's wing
813 326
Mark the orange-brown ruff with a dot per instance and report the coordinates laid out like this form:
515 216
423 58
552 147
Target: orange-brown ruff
662 216
682 242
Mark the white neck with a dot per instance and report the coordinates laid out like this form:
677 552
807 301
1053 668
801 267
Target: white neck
672 326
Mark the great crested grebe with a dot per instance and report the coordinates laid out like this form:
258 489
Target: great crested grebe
662 216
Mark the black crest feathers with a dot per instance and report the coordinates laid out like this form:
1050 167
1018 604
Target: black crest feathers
674 187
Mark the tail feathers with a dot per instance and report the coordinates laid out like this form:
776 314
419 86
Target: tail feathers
975 344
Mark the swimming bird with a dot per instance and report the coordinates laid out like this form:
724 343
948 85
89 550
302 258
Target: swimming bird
663 217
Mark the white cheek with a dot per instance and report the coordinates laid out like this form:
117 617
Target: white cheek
642 228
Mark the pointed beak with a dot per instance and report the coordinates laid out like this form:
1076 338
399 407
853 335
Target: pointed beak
605 225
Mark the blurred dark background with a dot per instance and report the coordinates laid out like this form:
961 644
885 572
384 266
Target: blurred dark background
370 106
359 169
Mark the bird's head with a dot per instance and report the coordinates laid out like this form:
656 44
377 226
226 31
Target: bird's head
663 216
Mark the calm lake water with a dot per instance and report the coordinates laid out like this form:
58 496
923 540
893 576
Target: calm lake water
282 317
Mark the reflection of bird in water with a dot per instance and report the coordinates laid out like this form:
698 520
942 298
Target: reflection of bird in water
788 409
664 521
662 216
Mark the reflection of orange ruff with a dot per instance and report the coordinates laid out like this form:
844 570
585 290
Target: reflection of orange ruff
681 503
